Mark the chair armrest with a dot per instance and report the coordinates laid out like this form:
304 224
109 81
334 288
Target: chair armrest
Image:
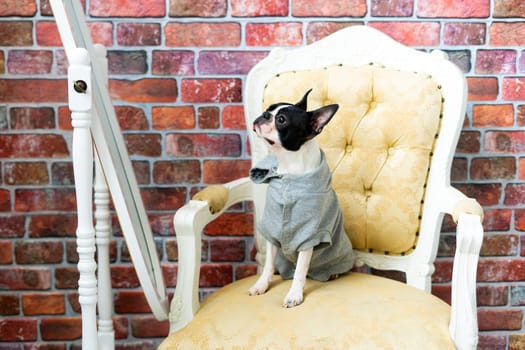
467 206
216 196
189 221
455 202
463 319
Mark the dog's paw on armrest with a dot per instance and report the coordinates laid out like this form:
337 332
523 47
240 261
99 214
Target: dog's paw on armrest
469 206
215 195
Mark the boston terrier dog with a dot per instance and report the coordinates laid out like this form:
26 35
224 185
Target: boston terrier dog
302 221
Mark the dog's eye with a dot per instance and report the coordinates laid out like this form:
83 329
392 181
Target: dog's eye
280 119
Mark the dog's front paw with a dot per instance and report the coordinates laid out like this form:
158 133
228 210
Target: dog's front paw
260 287
293 298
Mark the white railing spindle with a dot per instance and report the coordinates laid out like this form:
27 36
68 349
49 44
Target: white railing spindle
80 104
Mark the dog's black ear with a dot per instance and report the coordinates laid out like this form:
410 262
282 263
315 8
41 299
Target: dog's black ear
321 116
303 103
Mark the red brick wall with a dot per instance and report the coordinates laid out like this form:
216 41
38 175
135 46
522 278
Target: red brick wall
182 137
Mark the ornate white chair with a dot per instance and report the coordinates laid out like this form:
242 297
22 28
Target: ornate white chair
390 148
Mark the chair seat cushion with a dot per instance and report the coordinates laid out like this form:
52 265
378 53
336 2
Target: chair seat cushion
355 311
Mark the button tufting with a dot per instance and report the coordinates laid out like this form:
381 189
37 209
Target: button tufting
367 192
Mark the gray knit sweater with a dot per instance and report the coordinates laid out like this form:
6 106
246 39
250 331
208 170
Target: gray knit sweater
303 212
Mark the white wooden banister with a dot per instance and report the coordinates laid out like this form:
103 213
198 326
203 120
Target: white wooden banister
106 333
80 104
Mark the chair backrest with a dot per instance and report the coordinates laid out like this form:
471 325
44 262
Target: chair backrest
390 145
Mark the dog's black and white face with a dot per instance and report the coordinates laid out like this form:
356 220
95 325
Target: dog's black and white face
289 125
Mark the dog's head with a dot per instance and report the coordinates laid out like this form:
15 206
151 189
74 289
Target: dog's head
289 125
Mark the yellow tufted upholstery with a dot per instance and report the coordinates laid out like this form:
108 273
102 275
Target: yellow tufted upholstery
379 145
340 314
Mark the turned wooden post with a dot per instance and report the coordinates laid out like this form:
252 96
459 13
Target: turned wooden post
80 104
106 334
